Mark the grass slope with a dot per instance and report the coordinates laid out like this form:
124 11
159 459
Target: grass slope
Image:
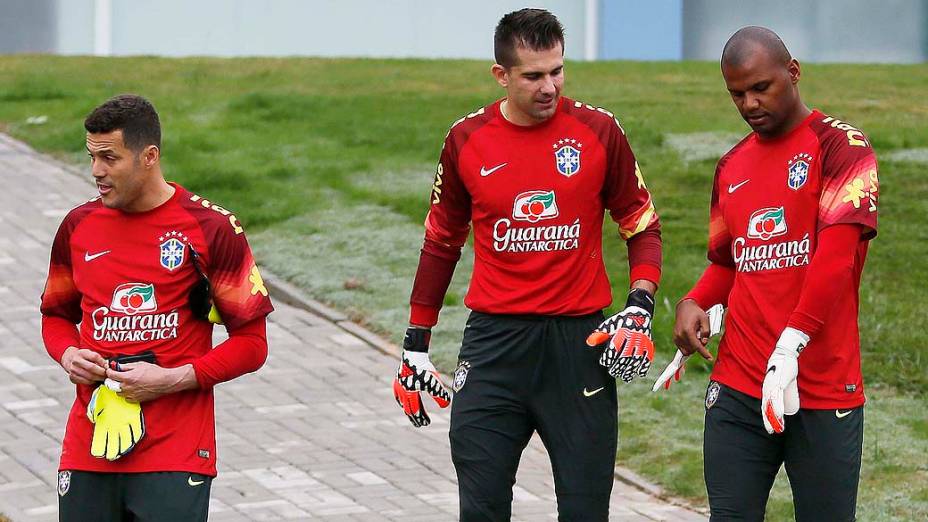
329 162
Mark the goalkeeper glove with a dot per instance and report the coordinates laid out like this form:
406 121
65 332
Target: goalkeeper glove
118 425
677 367
630 350
780 391
416 373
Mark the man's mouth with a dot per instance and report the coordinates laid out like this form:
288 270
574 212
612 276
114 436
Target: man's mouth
757 119
103 188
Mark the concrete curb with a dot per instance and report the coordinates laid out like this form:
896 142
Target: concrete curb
295 297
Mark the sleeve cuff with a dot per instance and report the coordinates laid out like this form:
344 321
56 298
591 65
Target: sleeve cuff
647 272
422 315
805 323
202 380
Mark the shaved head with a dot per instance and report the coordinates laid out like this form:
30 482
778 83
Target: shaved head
749 40
763 80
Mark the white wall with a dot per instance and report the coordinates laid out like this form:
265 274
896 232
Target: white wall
75 26
373 28
816 31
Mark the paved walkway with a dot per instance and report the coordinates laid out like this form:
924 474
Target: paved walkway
315 434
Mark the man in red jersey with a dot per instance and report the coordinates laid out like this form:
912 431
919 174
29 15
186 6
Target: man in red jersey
794 206
137 267
533 174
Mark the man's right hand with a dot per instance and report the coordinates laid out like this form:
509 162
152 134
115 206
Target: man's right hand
674 371
83 366
691 329
417 374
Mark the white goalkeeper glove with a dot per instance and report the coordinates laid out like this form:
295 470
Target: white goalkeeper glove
630 349
417 374
780 391
677 367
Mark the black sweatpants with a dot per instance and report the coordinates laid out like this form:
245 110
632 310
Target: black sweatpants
820 448
521 374
85 496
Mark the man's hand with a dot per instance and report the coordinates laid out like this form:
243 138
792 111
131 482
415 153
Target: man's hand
83 366
142 381
630 350
780 391
691 329
118 424
677 367
417 374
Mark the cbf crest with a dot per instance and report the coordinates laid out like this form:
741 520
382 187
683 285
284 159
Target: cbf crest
798 170
712 393
567 156
460 376
173 249
64 482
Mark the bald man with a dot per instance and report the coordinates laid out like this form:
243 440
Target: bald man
794 205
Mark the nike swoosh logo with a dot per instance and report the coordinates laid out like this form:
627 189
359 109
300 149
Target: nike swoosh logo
732 188
840 415
592 393
484 172
194 483
88 257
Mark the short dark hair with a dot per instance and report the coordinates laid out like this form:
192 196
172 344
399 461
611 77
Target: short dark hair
534 29
133 115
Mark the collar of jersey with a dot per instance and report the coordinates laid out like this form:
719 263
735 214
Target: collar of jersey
798 128
176 197
528 128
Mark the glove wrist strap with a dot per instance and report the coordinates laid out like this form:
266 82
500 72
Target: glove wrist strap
417 339
640 298
793 339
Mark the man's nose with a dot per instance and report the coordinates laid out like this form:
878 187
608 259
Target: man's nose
547 86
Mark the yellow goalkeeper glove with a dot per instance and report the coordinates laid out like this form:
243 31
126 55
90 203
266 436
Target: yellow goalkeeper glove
118 424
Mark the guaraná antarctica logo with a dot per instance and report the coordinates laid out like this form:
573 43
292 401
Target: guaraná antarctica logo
765 224
137 319
534 206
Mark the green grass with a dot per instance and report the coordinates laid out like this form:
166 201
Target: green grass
328 164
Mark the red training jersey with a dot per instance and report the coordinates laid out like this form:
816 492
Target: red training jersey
536 197
125 277
769 201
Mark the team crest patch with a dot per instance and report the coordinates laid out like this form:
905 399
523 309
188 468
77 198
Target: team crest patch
712 393
798 170
460 376
567 156
64 482
173 249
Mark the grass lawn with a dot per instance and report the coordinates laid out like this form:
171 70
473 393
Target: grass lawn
328 163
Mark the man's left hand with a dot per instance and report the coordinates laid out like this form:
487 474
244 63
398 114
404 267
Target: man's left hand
630 350
142 381
780 393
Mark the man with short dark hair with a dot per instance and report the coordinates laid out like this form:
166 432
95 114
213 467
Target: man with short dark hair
534 173
144 268
794 206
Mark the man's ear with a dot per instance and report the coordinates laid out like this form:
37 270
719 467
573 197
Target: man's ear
150 156
795 71
500 74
